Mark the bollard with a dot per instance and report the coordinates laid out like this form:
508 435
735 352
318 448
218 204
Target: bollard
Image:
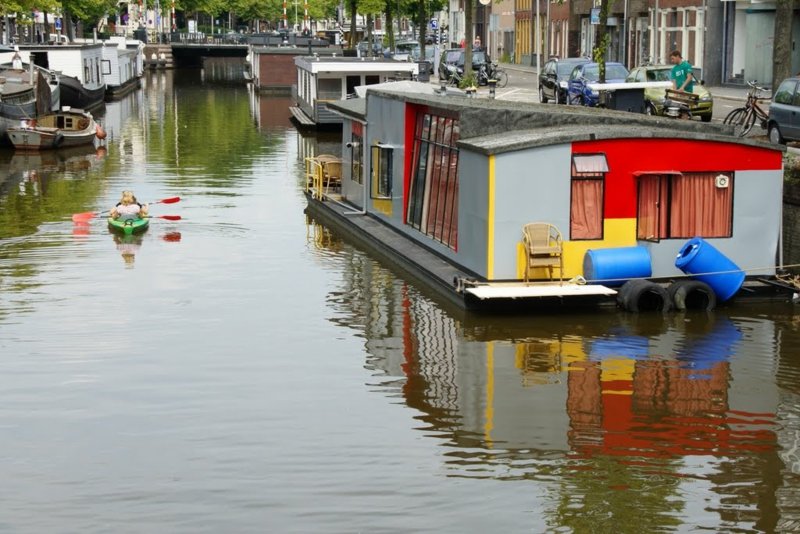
492 85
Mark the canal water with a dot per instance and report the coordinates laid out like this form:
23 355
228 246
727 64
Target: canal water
246 370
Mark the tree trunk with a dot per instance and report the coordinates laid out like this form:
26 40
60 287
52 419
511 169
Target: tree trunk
468 12
353 5
423 25
370 52
601 42
390 26
782 51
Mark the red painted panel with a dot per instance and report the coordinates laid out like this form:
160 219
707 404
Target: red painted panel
411 117
627 156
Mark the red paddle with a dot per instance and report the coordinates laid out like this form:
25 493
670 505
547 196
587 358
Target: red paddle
81 217
167 217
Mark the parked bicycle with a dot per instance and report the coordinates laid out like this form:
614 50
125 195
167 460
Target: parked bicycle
490 71
742 119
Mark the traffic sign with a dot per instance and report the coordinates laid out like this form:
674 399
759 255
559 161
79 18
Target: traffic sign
58 24
434 24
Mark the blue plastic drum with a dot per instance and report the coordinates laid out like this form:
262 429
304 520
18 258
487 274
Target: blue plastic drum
699 258
615 266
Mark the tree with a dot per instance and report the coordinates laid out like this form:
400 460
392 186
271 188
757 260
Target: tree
601 42
89 12
782 51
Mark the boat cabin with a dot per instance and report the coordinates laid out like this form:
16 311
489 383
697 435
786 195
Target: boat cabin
464 178
321 80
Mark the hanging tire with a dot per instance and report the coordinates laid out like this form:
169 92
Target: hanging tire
642 296
692 295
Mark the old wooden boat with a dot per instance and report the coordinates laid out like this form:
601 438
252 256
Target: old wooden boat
68 127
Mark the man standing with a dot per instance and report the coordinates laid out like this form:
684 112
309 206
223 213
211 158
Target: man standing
682 78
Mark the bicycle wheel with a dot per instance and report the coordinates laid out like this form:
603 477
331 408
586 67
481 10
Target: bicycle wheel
744 127
501 77
735 116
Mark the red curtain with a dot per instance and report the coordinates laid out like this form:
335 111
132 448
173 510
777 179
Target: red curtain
586 210
699 208
652 215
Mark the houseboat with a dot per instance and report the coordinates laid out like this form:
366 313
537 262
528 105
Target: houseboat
491 202
80 69
122 66
26 91
322 80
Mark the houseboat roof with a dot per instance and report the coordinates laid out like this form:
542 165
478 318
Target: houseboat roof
317 64
491 126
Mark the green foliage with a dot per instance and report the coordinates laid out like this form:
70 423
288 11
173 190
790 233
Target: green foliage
468 80
90 12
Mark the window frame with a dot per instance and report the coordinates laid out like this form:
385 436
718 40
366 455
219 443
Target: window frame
381 171
665 231
580 172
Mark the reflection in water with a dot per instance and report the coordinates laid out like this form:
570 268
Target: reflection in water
128 246
614 412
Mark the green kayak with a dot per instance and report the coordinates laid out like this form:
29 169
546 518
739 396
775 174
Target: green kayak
129 226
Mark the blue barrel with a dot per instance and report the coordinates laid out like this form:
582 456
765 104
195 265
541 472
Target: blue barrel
615 266
698 257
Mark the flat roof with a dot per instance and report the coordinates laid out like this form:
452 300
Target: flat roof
492 126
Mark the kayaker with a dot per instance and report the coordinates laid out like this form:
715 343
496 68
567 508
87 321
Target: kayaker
128 207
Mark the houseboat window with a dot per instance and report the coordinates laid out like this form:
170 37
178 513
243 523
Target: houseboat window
106 67
329 89
433 194
381 172
352 83
586 196
372 79
97 69
681 206
87 71
356 155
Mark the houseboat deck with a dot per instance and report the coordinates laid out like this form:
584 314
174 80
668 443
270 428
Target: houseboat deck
455 285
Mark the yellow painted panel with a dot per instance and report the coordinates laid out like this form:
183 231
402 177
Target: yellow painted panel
382 205
617 232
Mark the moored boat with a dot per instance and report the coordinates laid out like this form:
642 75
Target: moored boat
68 127
128 226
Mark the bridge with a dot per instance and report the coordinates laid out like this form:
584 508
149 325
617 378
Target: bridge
188 50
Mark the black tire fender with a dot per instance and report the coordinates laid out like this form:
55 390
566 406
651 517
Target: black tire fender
643 295
692 295
57 140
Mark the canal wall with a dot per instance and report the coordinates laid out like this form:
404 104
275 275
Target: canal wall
791 224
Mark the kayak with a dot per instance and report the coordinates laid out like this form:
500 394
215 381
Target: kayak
128 226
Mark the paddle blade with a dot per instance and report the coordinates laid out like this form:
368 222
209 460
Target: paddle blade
83 217
169 217
171 200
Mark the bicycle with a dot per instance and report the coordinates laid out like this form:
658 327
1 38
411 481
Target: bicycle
742 119
492 72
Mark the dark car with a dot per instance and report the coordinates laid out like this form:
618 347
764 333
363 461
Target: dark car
452 60
554 76
429 52
578 90
784 112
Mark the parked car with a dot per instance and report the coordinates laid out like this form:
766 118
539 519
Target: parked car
402 50
452 60
784 112
578 91
377 48
429 52
554 76
654 97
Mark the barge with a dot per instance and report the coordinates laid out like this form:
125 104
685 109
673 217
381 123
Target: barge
455 190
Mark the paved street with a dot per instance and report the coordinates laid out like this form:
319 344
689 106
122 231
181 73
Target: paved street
523 87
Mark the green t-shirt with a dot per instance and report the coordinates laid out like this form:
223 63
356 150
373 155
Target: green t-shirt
679 74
